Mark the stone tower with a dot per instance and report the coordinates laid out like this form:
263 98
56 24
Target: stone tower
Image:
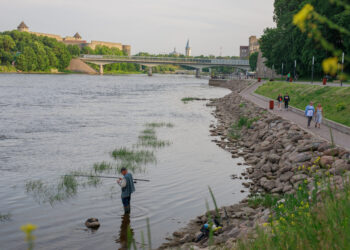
188 48
22 27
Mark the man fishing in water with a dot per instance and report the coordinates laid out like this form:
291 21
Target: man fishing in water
127 185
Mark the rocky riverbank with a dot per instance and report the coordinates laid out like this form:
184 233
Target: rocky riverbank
280 156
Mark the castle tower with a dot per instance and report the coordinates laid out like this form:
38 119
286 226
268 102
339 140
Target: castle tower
77 36
22 27
188 48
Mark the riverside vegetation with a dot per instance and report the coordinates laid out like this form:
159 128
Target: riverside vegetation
134 159
298 184
335 100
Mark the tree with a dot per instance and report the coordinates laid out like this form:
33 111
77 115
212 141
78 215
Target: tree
253 60
74 50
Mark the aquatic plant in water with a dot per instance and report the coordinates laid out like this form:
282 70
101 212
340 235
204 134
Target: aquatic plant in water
127 155
5 217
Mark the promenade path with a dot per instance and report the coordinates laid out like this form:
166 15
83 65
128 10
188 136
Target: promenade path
341 139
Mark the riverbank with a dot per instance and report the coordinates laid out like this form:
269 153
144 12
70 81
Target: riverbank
281 155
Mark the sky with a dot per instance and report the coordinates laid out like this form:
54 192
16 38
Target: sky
214 27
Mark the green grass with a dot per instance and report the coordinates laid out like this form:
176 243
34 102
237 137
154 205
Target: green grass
191 99
306 220
102 167
265 200
335 100
127 155
235 130
159 125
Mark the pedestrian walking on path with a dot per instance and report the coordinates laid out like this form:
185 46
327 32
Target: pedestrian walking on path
286 99
288 76
319 115
127 185
280 100
309 113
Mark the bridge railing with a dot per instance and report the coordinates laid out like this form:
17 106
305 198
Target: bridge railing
169 59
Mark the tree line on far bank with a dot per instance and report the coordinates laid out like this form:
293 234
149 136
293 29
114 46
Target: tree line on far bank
287 43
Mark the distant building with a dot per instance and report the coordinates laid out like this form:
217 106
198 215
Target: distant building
244 52
174 53
77 40
253 45
188 49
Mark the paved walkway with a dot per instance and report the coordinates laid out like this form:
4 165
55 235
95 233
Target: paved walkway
341 139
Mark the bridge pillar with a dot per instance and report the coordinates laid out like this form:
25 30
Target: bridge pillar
149 71
101 69
198 73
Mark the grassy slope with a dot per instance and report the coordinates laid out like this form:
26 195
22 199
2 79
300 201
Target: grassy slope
301 95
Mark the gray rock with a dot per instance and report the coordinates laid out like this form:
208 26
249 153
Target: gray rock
266 168
286 176
274 158
298 177
301 157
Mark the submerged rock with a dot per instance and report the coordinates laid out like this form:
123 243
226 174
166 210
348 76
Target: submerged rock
92 223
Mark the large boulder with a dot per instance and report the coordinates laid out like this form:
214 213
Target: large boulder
298 178
326 160
301 157
286 176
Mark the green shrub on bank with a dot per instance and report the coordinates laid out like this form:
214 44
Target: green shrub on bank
335 100
306 220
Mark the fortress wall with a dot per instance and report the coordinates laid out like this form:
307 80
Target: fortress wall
93 44
57 37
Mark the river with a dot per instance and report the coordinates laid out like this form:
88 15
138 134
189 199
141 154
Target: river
53 124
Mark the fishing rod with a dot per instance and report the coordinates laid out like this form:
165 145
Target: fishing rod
101 176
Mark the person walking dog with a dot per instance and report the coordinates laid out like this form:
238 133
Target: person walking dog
309 113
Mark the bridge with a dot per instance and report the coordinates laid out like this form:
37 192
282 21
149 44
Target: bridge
196 63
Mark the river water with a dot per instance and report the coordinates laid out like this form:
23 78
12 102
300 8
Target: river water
53 124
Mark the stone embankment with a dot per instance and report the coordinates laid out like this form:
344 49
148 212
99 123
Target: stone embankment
280 156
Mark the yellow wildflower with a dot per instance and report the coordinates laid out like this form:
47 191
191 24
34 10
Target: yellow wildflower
292 215
318 183
299 168
293 223
266 224
299 188
28 229
330 65
302 15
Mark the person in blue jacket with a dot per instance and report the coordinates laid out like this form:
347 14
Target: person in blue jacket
127 185
309 113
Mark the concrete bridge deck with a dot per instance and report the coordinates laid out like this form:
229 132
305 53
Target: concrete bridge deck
196 63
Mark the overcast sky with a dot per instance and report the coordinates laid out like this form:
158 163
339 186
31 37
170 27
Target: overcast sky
155 26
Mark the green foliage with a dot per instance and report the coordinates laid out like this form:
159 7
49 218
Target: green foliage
101 167
304 221
302 94
127 155
265 200
340 106
287 42
32 53
253 60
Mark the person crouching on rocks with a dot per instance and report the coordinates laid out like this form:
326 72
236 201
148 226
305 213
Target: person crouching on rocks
127 185
280 100
309 113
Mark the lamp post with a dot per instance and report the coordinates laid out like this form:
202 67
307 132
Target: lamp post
342 69
282 73
295 65
312 74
